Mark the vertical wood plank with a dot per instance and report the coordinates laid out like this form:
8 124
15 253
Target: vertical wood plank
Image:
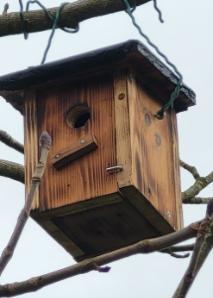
154 161
123 147
176 169
30 141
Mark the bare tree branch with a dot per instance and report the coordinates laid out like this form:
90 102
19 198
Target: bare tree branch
202 248
45 142
71 16
190 169
200 184
10 141
12 170
197 200
145 246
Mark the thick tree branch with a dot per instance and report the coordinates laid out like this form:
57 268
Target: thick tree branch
12 170
145 246
45 142
71 16
197 200
10 141
202 248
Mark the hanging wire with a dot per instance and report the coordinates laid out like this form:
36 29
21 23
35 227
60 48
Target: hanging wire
160 15
175 93
54 19
22 19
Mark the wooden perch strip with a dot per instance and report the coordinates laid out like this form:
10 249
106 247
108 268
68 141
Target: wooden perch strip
12 170
11 142
145 246
45 142
71 16
201 250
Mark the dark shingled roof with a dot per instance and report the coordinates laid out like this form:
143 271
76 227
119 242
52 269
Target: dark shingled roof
158 79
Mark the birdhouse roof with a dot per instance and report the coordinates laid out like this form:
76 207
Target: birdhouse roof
157 78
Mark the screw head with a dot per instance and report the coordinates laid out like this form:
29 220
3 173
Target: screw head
57 155
82 141
121 96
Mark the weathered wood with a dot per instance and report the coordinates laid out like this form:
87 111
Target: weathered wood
123 149
154 160
72 14
88 173
30 142
76 151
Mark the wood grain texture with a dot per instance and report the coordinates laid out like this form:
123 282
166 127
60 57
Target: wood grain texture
123 148
84 178
154 159
30 141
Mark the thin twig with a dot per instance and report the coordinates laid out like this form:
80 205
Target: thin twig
5 10
201 250
145 246
45 143
12 170
190 169
179 248
10 141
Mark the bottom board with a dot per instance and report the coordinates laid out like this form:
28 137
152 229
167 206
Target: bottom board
100 225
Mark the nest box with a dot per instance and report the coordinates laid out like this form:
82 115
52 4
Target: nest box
112 176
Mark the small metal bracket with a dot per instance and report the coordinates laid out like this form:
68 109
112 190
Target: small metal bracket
114 169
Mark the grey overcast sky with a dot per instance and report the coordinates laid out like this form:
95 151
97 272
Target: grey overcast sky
187 40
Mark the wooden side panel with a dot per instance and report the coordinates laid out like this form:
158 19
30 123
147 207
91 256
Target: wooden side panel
87 177
30 141
154 155
123 146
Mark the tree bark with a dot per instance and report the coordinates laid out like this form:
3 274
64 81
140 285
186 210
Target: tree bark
12 170
72 14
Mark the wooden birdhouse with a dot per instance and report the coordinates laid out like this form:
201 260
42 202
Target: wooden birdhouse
112 177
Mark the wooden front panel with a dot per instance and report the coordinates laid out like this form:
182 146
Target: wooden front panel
155 161
86 177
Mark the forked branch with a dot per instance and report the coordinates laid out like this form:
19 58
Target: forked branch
202 248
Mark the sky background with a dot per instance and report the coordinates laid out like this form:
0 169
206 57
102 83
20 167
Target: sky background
186 38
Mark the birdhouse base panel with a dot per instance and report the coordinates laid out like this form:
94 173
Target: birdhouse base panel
96 226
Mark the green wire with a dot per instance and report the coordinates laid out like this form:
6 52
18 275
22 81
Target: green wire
173 96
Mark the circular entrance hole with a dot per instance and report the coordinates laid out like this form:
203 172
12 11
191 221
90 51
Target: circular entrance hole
78 115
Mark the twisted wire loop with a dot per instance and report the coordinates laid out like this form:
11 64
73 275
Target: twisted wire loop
54 19
173 96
